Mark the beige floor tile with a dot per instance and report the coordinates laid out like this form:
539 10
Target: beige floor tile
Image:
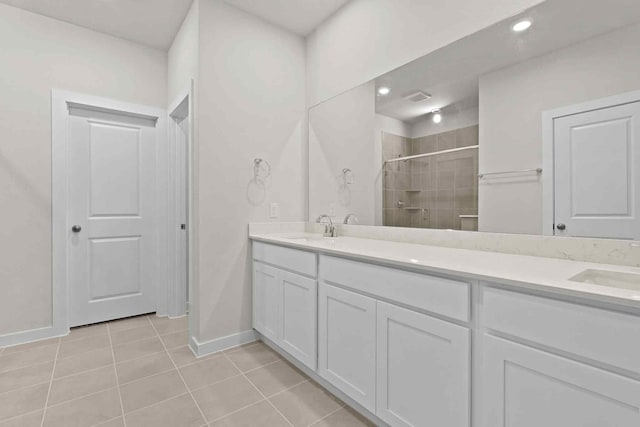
135 349
27 358
253 356
143 367
184 356
180 411
175 339
22 401
208 372
345 417
83 362
305 403
128 323
276 377
85 331
33 419
86 411
151 390
116 422
30 346
25 377
83 345
135 334
164 325
79 385
220 399
259 415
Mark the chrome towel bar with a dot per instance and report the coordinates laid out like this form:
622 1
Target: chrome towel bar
537 170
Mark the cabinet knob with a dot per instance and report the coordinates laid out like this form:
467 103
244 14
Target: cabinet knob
561 226
76 228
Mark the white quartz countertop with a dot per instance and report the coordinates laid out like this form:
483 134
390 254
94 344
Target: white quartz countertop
547 274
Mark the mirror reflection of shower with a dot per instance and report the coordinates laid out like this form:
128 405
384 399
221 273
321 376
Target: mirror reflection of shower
431 181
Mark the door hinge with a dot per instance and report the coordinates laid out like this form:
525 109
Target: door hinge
183 226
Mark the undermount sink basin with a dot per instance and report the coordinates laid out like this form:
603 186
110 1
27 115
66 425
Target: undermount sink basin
612 279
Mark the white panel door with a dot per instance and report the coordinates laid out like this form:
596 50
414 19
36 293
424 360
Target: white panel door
298 317
597 173
347 341
525 387
267 291
423 369
112 167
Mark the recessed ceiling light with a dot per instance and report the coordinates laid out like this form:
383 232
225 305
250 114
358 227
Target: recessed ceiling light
521 25
437 117
384 90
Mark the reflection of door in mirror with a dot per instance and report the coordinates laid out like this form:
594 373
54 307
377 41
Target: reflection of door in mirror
431 181
596 156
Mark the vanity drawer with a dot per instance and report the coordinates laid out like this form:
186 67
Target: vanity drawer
425 292
289 259
597 334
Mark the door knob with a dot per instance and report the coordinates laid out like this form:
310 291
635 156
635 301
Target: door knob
76 228
561 226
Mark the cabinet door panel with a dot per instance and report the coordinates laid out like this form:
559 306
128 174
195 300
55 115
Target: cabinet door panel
423 369
266 300
298 320
525 387
347 336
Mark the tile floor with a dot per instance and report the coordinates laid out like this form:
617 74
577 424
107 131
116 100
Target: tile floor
139 372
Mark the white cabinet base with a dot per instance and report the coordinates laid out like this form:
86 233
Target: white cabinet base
525 387
423 369
347 343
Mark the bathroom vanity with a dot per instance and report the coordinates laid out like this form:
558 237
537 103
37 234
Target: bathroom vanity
418 335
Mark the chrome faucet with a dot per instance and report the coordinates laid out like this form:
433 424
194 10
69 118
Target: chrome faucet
349 216
329 229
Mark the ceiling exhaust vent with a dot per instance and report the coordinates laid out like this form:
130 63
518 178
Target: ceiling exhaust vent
417 96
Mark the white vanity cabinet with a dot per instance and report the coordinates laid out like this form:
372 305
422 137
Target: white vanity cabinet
403 344
347 343
581 374
423 368
285 302
527 387
407 367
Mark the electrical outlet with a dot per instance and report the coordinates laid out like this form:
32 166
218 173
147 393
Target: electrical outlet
274 210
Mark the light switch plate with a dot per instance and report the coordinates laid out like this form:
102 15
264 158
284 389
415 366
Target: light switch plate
274 210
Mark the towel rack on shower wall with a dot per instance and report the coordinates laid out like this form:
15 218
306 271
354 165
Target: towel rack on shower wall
537 170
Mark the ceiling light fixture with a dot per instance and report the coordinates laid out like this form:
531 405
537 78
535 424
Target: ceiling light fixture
521 25
384 91
437 117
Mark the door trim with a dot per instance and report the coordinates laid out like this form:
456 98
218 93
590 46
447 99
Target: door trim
60 102
175 304
548 164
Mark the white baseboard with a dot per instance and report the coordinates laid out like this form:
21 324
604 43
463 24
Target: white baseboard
32 335
213 346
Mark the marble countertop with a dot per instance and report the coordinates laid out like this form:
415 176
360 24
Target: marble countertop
546 274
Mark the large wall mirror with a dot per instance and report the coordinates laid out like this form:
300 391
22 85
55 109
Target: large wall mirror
529 126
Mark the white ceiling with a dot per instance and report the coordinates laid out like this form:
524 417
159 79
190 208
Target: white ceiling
155 22
298 16
150 22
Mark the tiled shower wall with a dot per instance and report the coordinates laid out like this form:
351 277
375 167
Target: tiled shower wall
430 192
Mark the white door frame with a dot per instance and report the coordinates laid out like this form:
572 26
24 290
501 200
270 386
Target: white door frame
60 101
548 164
176 303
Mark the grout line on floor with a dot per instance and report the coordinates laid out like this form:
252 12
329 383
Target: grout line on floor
46 402
326 416
180 375
261 393
115 372
24 387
